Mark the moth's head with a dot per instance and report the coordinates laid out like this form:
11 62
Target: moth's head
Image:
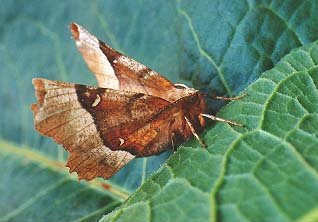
196 105
194 100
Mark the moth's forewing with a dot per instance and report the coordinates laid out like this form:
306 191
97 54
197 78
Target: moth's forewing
88 45
120 115
60 115
117 71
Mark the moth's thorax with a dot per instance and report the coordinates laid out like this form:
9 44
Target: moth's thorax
193 104
176 94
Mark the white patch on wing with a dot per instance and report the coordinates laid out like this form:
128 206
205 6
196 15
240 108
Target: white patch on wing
121 140
132 64
149 74
96 60
97 101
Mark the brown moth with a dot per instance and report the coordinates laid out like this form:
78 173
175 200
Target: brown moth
135 112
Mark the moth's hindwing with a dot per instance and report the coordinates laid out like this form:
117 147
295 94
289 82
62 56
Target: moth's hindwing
59 114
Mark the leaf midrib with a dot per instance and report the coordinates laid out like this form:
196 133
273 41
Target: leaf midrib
58 167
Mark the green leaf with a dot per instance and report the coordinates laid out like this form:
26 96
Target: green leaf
36 188
217 46
265 171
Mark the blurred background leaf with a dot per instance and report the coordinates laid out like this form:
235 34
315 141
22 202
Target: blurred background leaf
36 188
215 46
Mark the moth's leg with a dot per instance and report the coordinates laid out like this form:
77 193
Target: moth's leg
172 143
220 119
229 98
194 133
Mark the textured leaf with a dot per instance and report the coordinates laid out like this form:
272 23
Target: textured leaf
219 46
266 171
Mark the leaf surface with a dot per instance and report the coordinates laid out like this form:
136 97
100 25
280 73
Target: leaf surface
36 188
218 47
265 171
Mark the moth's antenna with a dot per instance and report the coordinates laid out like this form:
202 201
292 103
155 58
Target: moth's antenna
220 119
226 98
194 133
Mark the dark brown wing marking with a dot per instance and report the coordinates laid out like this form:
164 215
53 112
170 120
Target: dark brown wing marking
140 124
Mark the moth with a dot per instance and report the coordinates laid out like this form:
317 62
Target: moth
134 111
